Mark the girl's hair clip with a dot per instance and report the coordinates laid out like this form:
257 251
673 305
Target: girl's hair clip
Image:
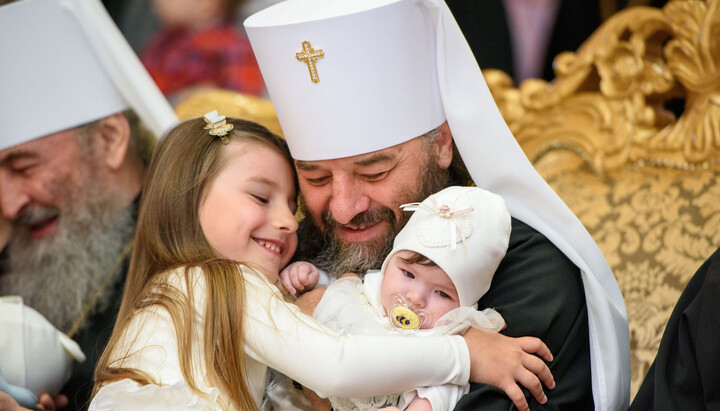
217 125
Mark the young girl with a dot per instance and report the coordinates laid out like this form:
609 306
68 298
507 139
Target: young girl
201 318
441 264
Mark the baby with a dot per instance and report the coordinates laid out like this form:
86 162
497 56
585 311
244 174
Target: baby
442 262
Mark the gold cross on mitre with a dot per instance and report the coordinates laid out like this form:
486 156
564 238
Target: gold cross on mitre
310 56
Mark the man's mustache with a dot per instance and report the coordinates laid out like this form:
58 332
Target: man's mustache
368 217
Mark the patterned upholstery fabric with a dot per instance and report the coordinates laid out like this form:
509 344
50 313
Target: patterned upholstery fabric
628 134
655 226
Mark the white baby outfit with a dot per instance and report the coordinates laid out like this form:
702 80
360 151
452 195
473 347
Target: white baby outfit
465 231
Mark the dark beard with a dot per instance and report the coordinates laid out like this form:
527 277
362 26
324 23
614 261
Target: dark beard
336 257
60 274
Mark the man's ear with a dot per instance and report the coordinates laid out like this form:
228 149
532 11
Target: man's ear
114 139
444 146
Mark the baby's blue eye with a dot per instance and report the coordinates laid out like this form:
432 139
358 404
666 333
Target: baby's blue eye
408 274
442 294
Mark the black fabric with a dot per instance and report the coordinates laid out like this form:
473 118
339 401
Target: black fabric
686 372
93 338
485 26
540 293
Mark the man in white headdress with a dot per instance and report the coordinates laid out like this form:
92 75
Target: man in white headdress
79 116
378 100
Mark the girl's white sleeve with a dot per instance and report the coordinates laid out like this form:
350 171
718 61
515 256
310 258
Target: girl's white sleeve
443 397
337 364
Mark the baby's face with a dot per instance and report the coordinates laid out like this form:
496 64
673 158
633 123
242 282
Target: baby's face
426 287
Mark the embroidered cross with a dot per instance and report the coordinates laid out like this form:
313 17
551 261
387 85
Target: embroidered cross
310 56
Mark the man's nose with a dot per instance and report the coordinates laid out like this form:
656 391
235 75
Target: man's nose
348 199
13 198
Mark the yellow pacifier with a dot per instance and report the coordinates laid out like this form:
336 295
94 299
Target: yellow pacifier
406 317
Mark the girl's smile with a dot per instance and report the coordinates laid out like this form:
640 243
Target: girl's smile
247 214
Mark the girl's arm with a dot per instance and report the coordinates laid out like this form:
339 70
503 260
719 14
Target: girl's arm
332 363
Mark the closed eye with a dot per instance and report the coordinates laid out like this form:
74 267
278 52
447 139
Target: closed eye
375 176
318 181
260 199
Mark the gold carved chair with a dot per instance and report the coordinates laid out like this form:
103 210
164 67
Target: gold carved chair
642 179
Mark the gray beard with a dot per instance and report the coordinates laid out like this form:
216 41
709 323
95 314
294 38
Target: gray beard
336 257
59 275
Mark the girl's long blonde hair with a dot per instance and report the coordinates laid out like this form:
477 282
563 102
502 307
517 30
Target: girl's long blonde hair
168 237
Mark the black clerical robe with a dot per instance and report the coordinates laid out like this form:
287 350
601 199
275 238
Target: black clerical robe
540 293
93 338
686 372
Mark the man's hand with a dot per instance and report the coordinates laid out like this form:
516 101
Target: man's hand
318 403
308 301
299 277
502 362
417 404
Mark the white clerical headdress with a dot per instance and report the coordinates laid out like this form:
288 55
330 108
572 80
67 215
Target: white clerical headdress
33 353
374 62
339 62
64 64
465 231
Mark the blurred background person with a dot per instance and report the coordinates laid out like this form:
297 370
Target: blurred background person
199 46
522 37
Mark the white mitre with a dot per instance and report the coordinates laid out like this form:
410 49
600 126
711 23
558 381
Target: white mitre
33 353
64 64
349 77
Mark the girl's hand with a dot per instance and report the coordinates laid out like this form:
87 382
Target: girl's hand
503 362
299 277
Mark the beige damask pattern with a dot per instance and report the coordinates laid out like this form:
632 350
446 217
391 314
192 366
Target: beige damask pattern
655 227
642 179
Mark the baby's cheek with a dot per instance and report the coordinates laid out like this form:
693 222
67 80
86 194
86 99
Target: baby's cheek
443 308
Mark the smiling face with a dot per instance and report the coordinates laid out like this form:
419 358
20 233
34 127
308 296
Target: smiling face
355 200
39 180
425 286
248 211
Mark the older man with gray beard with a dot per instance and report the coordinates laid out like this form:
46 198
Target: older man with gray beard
79 117
72 199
